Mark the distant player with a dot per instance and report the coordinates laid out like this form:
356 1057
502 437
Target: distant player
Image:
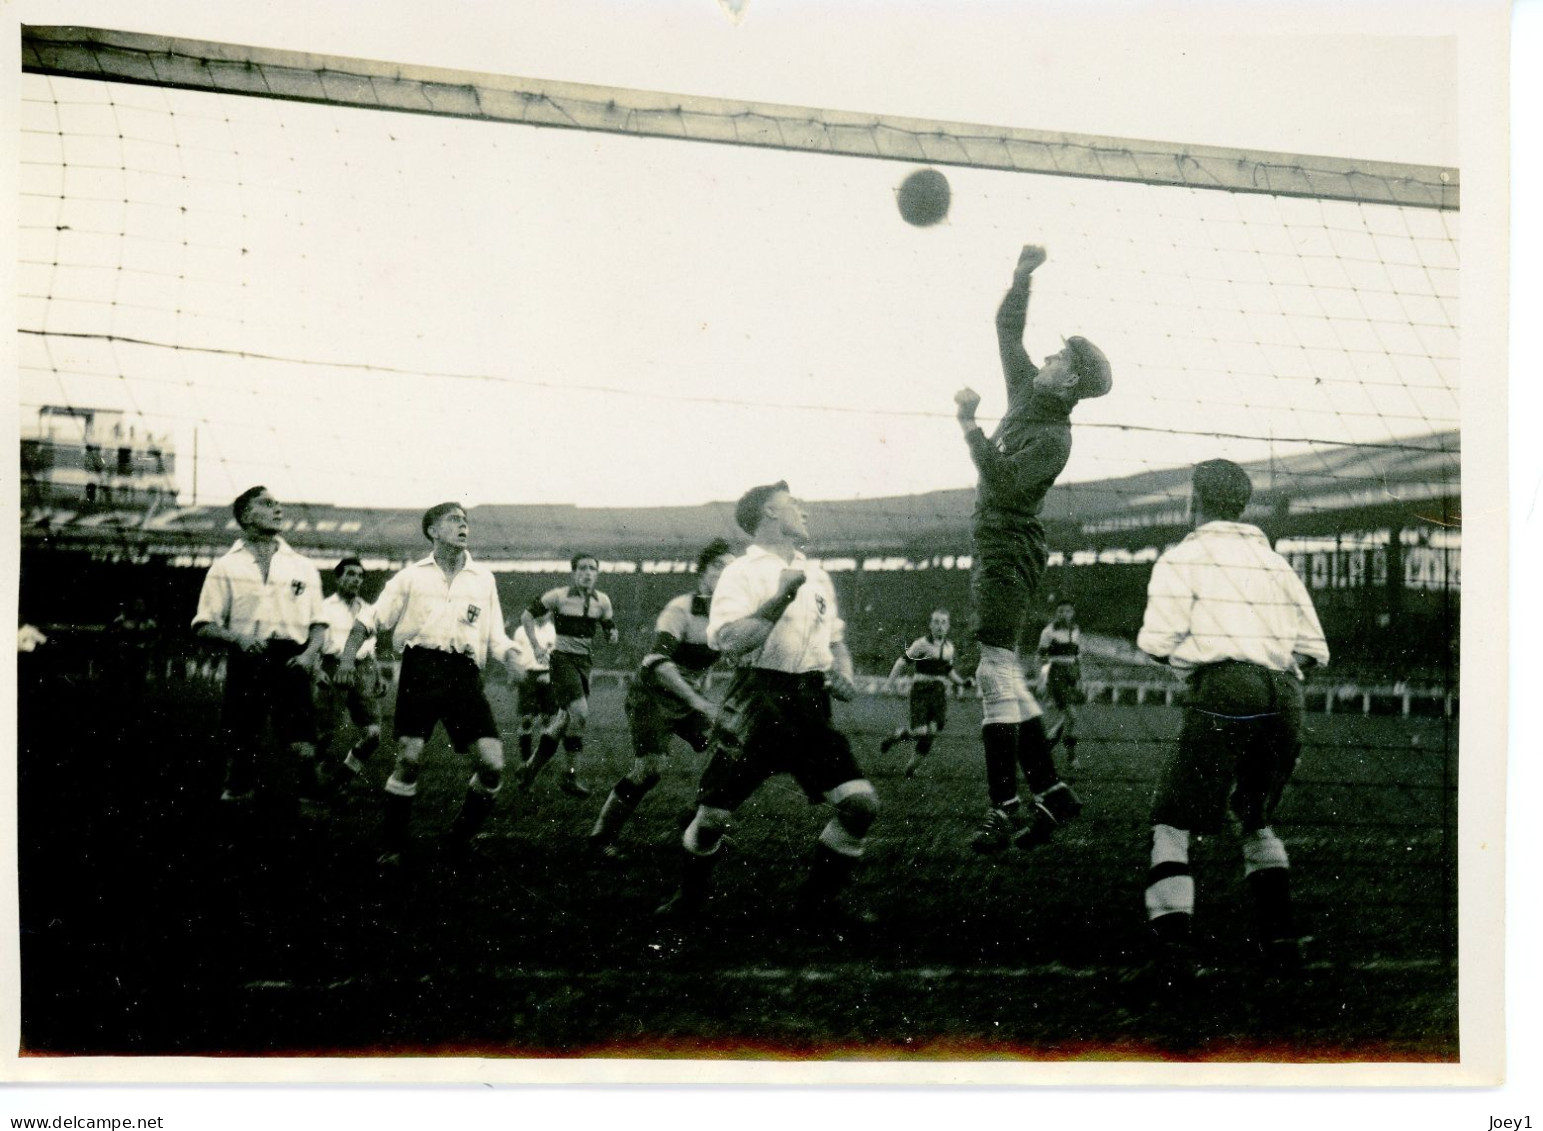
579 611
263 600
1018 464
1060 654
445 621
930 659
538 703
360 698
774 613
1227 610
668 696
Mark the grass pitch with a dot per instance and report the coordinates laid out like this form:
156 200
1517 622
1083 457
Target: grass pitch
156 921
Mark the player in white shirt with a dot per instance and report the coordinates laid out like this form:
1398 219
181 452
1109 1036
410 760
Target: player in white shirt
774 614
263 600
1227 610
361 698
538 699
445 621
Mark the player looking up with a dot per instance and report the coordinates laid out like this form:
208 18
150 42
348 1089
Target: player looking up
774 614
1228 611
578 610
263 600
1018 464
930 659
443 614
668 696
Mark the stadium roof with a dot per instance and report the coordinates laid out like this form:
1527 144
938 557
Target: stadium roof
1318 493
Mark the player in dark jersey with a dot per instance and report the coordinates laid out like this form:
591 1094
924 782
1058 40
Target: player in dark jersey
1018 464
667 696
578 611
1060 653
930 659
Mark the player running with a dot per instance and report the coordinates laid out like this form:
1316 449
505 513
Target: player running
667 697
774 613
1018 464
1060 657
578 610
443 614
930 659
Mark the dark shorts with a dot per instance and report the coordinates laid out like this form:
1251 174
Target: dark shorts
537 699
655 714
1009 562
1064 685
261 686
1239 744
929 704
570 677
772 723
361 699
442 687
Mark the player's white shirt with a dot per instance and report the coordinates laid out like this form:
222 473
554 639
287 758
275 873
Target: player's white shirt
546 636
801 639
1224 594
283 607
424 609
340 617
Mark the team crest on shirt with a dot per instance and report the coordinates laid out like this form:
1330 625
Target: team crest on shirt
472 613
297 587
819 603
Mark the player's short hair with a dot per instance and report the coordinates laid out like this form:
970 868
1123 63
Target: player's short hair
712 552
337 570
244 500
941 609
573 562
437 512
1065 604
747 512
1223 488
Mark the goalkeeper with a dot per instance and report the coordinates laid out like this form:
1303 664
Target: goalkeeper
1018 464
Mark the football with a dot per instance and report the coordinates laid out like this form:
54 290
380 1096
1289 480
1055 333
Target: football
923 198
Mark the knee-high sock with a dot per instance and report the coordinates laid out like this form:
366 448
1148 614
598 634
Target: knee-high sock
399 811
618 809
1267 873
1035 755
1170 894
1001 742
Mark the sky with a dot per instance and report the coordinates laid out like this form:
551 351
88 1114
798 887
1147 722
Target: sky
433 308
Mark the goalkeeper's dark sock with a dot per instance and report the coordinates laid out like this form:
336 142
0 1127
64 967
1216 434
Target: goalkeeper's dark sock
1000 741
1035 756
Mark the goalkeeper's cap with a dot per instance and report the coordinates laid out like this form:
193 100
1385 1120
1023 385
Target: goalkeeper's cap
1094 376
1222 487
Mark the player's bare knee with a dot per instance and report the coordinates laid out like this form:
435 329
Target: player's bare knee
1263 849
490 755
856 804
706 830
